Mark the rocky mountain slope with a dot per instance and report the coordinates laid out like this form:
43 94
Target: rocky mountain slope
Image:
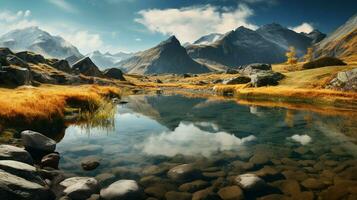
107 60
341 43
167 57
315 35
208 39
238 47
39 41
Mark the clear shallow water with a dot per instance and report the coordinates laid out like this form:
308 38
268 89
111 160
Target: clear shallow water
214 134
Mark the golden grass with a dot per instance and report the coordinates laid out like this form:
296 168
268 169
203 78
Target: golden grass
49 101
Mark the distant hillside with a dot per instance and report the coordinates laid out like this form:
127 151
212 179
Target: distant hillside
208 39
36 40
167 57
341 43
107 60
238 47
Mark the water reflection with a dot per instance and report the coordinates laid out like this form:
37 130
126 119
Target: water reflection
188 139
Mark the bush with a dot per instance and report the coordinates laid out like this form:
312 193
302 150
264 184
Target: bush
323 62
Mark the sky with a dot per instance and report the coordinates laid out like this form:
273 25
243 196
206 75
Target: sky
134 25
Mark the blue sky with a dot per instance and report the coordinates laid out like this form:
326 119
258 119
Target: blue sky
133 25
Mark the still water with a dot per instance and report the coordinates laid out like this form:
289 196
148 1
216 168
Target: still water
152 134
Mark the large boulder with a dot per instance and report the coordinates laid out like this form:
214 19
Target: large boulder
8 152
323 62
31 57
122 190
237 80
35 140
87 67
80 188
22 170
14 187
254 68
14 60
62 65
265 78
346 80
114 73
15 76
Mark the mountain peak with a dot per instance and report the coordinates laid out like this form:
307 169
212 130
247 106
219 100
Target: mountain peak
272 26
172 40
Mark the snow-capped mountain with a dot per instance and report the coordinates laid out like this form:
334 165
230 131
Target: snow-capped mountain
208 39
39 41
107 60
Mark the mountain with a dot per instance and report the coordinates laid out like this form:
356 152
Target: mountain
39 41
167 57
208 39
238 47
341 43
107 60
315 35
284 38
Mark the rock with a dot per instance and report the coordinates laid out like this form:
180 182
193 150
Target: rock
260 159
297 175
50 160
90 163
80 188
35 140
231 193
14 60
155 170
94 197
205 194
255 67
8 152
159 190
237 80
31 57
62 65
105 178
214 175
172 195
323 62
114 73
194 186
22 170
269 174
231 71
265 78
122 190
274 197
15 76
86 67
183 172
14 187
289 187
313 184
149 180
250 182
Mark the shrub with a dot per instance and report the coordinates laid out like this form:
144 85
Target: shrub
323 62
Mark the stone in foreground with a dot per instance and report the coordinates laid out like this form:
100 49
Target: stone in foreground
122 190
8 152
35 140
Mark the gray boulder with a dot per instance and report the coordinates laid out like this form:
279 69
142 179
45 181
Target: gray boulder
35 140
86 67
265 78
14 60
114 73
122 190
8 152
62 65
14 187
237 80
346 81
15 76
31 57
50 160
22 170
254 68
80 188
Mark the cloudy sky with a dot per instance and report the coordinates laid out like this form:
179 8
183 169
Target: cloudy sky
132 25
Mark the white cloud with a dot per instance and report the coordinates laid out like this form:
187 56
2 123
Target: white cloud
201 142
84 40
304 27
62 4
190 23
302 139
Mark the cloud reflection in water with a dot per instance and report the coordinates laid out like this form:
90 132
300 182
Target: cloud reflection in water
188 139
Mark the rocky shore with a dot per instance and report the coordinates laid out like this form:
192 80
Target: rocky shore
34 173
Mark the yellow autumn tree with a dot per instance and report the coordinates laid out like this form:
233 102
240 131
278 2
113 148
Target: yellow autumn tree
309 55
291 56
